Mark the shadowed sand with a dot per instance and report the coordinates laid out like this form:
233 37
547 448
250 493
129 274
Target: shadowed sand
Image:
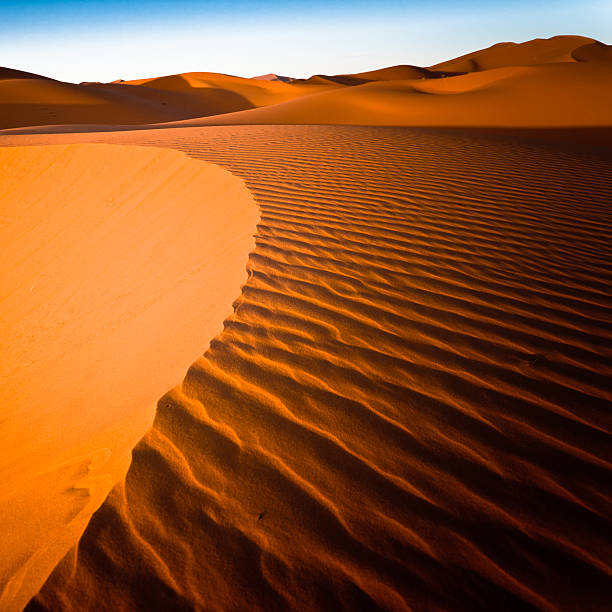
118 265
410 407
27 99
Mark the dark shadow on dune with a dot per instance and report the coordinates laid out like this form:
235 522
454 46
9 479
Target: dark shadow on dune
599 137
339 79
595 52
122 104
10 73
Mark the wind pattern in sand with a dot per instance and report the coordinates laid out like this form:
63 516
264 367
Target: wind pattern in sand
409 408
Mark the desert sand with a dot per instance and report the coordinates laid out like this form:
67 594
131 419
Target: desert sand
27 100
408 408
558 82
108 292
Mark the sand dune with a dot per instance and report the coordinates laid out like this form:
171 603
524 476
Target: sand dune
554 95
594 52
9 73
561 81
39 101
273 77
532 52
27 100
118 266
253 92
410 407
398 73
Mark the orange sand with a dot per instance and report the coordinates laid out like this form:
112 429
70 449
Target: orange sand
409 409
413 393
27 100
118 266
560 82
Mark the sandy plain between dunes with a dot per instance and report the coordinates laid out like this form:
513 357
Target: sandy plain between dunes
409 408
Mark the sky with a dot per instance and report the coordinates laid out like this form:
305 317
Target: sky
103 40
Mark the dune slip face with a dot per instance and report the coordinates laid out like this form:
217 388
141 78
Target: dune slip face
118 266
409 410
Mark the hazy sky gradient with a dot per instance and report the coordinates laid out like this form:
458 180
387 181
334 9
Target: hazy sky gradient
78 40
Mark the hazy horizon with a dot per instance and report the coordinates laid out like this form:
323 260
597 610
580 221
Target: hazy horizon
78 40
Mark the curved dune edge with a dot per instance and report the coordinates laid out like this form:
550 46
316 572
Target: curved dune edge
119 264
561 82
409 409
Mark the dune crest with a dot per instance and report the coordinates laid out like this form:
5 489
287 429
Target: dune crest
533 52
118 267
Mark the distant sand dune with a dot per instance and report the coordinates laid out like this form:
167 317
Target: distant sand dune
27 100
118 265
552 95
537 51
594 52
561 81
410 406
10 73
396 73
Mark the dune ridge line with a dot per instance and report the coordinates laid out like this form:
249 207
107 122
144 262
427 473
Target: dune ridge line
119 265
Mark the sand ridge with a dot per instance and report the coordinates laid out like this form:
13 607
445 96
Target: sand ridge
118 266
28 100
550 95
410 407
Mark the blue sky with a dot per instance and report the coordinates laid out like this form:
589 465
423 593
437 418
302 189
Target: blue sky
77 40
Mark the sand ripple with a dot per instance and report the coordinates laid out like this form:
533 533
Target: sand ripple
409 409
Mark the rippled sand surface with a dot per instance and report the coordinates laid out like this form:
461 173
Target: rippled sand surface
410 407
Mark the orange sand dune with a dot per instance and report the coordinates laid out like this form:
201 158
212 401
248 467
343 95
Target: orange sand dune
9 73
118 266
410 406
561 81
248 93
538 51
551 95
27 99
397 73
30 100
272 77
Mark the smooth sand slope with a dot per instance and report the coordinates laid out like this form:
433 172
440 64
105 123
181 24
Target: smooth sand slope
118 265
532 52
410 407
